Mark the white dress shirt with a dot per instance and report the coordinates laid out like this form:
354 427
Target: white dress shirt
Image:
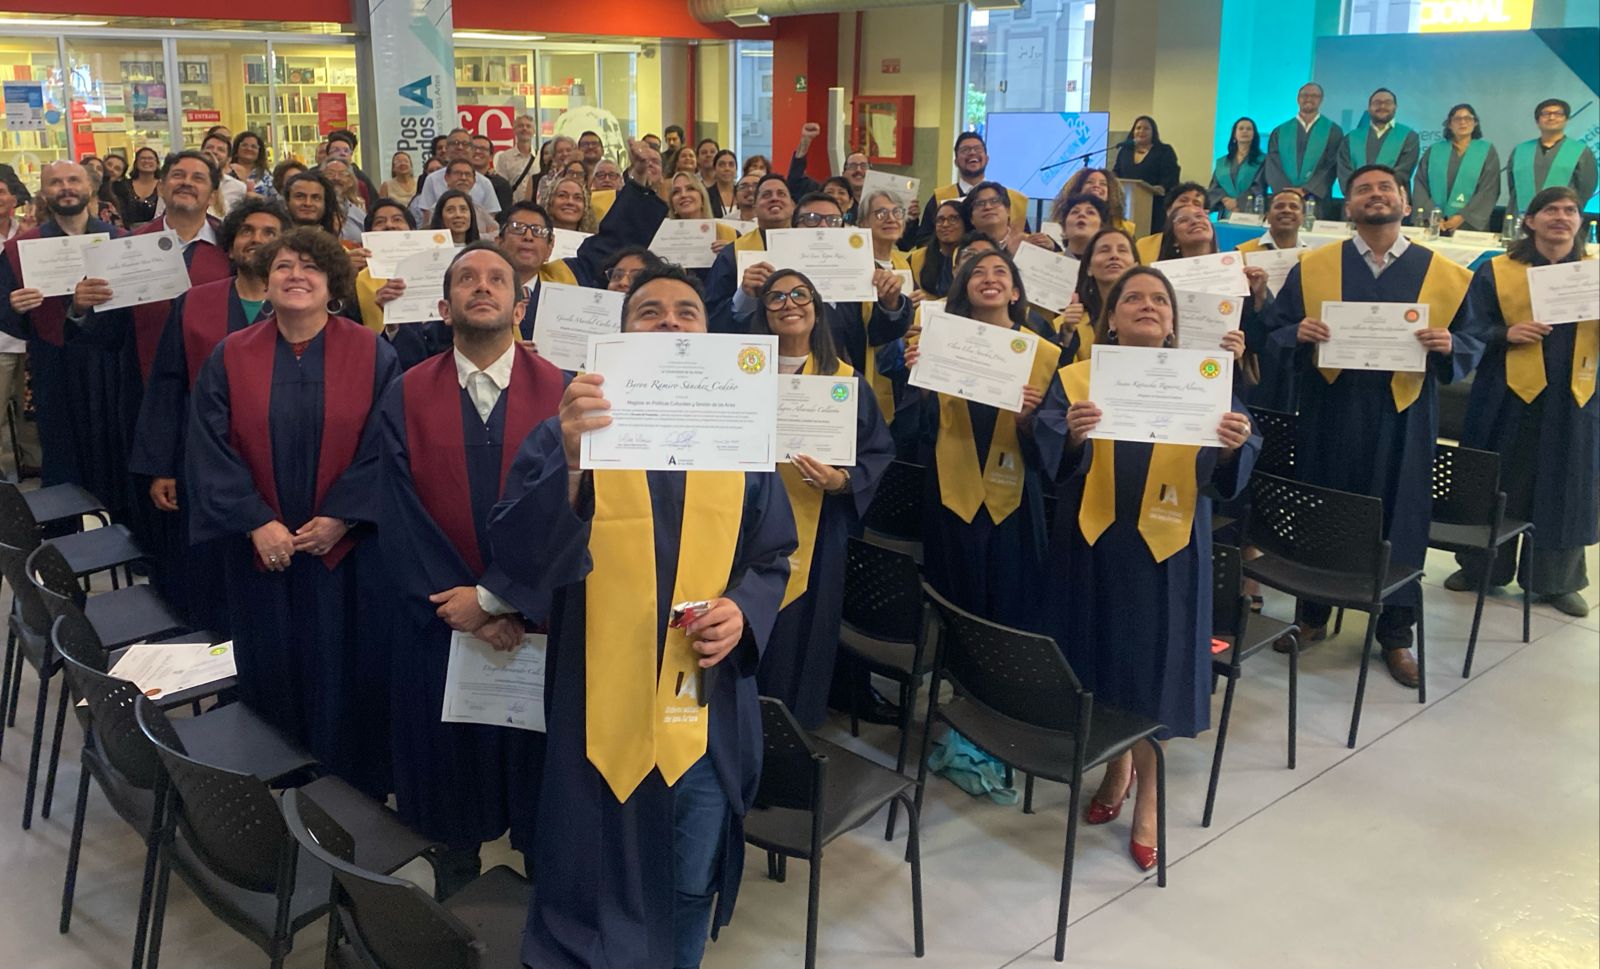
485 387
1267 243
1378 262
434 186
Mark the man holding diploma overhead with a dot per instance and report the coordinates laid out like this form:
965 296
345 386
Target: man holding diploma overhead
660 588
1372 431
1533 401
448 431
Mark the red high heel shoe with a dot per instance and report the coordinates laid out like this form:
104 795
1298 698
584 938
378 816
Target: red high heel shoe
1098 813
1143 856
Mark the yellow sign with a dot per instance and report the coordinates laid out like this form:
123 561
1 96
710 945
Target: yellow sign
1455 16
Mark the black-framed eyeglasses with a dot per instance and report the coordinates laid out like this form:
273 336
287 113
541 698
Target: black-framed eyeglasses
538 231
617 274
813 220
799 296
895 214
947 220
855 166
988 202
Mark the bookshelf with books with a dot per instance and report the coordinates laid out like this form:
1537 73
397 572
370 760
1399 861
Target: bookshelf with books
22 59
291 99
496 76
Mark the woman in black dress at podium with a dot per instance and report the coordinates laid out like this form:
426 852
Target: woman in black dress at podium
1144 156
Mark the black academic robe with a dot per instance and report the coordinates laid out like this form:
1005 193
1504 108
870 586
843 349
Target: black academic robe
461 784
1136 631
1159 168
188 576
1320 182
1348 435
306 647
604 895
797 667
86 387
1568 469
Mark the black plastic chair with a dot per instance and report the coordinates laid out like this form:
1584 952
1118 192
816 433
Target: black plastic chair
88 552
28 643
131 614
1277 442
1469 515
894 519
1246 634
1017 699
383 922
812 791
250 872
1327 545
885 626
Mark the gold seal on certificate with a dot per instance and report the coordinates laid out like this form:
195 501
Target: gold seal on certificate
838 261
1374 336
389 249
1159 395
975 361
145 268
1219 272
817 418
686 242
1207 318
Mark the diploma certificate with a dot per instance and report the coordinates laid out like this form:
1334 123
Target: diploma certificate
817 418
389 249
1205 318
839 261
1220 272
54 266
1277 263
1049 277
686 402
162 669
144 268
1374 336
1332 228
975 361
423 273
566 243
686 242
499 689
902 187
1566 292
568 316
1247 219
1158 395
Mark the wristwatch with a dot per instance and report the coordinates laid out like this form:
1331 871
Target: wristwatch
843 485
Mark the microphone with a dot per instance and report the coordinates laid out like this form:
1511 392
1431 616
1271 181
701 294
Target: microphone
1124 142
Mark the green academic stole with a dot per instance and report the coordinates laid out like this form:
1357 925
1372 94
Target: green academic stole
1232 184
1288 133
1389 151
1460 190
1560 172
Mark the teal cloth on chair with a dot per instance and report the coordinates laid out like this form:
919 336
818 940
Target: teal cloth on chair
956 759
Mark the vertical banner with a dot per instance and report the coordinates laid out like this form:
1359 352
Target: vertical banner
413 62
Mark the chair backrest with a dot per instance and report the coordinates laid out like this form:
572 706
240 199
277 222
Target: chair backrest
1228 602
1277 442
1016 674
52 576
1316 527
30 607
896 509
17 525
112 702
230 820
392 923
791 768
882 593
1466 486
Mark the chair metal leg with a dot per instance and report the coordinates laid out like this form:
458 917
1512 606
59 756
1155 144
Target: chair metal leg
55 751
908 697
16 689
813 904
783 867
1361 681
38 746
8 697
70 885
1066 866
1422 648
1161 812
1477 617
334 933
1216 754
1338 621
158 915
152 853
914 849
927 732
1027 793
772 865
1294 693
1527 597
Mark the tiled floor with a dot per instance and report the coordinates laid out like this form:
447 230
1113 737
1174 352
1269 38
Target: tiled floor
1463 833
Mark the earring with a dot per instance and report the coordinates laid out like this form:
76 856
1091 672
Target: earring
1166 341
334 306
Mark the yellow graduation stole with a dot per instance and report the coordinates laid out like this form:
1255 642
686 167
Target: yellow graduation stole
1443 288
1085 331
917 258
1171 492
637 720
600 203
557 271
962 487
1249 245
1148 248
1019 202
367 298
882 387
751 242
806 502
726 233
1525 362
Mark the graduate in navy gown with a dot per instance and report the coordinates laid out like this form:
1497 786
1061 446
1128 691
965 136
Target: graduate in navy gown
1533 403
645 789
725 285
189 577
281 465
78 380
983 548
1372 431
449 430
828 504
1131 606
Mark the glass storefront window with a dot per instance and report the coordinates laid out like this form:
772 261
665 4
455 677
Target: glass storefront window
34 59
1035 58
120 96
495 76
215 87
317 88
753 90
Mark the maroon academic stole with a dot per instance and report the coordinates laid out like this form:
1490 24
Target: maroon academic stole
350 355
49 320
207 264
205 322
437 442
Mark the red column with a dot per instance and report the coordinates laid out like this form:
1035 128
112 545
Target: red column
806 46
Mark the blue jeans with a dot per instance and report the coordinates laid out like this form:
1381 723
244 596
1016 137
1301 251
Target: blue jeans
700 820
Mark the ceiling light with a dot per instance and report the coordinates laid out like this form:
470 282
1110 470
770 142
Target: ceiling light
748 17
510 38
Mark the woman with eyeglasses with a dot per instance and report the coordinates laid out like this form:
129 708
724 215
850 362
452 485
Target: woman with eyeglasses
626 263
1130 557
1459 176
828 503
932 266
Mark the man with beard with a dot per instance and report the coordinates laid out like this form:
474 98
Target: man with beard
1303 152
972 160
448 431
308 196
190 578
1381 141
78 431
1372 432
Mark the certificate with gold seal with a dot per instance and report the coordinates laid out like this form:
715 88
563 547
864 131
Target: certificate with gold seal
1205 318
973 360
685 402
1160 395
838 261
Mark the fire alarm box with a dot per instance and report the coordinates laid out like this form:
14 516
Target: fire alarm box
881 127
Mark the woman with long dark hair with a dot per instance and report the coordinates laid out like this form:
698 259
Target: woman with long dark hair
1459 175
1150 160
1111 253
453 212
1237 174
137 193
932 266
247 160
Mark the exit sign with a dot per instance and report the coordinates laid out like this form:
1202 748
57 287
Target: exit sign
891 65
